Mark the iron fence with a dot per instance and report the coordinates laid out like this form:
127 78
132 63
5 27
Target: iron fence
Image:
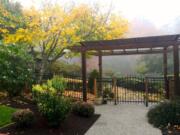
126 89
133 89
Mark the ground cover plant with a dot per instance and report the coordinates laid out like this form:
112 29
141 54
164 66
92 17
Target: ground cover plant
6 115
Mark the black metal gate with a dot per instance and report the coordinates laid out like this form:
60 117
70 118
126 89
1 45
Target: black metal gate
132 89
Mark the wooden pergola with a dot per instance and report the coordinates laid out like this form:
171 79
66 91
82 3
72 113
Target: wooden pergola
132 46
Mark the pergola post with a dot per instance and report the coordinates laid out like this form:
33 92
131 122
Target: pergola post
176 70
84 88
100 71
166 85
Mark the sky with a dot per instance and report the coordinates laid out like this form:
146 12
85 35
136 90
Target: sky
159 12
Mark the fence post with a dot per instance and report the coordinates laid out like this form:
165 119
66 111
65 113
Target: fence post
115 90
95 88
146 92
167 90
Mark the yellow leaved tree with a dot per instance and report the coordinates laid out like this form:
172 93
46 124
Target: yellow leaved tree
10 17
49 31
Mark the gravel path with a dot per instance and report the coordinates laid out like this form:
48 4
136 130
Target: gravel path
122 119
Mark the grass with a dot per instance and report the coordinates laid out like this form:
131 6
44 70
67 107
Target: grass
6 115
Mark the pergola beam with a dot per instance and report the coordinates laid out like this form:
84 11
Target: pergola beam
136 52
129 43
90 47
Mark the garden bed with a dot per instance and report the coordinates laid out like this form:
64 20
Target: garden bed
175 130
72 125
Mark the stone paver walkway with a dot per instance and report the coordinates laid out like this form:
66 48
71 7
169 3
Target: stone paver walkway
122 119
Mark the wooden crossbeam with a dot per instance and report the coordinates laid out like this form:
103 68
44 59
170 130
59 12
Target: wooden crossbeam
126 52
98 47
127 46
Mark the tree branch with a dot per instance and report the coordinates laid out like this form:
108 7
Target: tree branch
60 54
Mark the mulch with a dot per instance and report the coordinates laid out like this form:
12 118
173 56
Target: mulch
173 130
73 125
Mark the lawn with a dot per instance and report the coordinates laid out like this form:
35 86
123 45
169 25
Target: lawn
5 115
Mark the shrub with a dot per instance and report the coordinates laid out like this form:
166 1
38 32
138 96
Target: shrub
16 69
55 85
176 104
83 109
94 74
54 108
38 90
59 84
51 103
23 118
164 114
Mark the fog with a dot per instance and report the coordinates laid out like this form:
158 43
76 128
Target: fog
138 27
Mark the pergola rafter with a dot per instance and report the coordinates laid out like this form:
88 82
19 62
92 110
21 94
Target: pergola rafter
130 52
132 46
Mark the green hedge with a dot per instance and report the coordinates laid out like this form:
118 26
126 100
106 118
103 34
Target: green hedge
164 114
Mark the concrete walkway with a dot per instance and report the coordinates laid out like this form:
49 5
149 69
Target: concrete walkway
122 119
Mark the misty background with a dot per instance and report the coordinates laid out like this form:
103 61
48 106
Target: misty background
127 65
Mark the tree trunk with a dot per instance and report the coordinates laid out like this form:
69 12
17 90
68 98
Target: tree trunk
42 70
